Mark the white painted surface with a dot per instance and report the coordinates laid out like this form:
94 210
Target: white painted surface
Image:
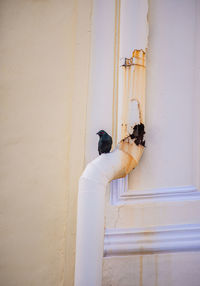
90 218
133 28
133 35
166 182
168 158
120 195
99 109
103 169
170 238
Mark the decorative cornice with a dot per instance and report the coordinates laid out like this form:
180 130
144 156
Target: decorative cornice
171 238
120 195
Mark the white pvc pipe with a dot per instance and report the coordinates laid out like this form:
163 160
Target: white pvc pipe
90 233
90 221
107 167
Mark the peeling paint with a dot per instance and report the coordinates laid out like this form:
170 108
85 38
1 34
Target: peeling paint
138 134
133 107
134 81
137 59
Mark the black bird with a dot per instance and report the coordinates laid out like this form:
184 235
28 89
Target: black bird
105 142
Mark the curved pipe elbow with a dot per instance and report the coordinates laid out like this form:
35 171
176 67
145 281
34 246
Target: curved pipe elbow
91 202
113 165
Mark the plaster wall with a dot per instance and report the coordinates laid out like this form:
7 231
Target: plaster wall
171 157
172 100
170 97
44 55
172 269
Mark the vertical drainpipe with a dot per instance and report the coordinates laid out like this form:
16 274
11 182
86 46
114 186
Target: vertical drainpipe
107 167
90 220
93 183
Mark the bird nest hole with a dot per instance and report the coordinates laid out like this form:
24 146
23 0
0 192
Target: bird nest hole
137 135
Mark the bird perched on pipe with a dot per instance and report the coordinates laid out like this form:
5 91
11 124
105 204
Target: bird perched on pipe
105 142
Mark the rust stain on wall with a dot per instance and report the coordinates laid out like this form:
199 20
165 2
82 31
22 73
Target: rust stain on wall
141 270
133 109
156 270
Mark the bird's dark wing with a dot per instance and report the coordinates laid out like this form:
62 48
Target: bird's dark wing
99 147
105 144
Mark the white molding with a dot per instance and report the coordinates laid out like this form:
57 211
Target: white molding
116 72
120 195
171 238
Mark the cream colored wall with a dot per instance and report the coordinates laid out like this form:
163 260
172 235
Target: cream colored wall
169 98
171 157
100 100
44 55
171 269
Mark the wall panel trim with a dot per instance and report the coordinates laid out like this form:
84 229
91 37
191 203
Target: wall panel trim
120 195
170 238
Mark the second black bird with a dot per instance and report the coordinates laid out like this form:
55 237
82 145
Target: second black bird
105 142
